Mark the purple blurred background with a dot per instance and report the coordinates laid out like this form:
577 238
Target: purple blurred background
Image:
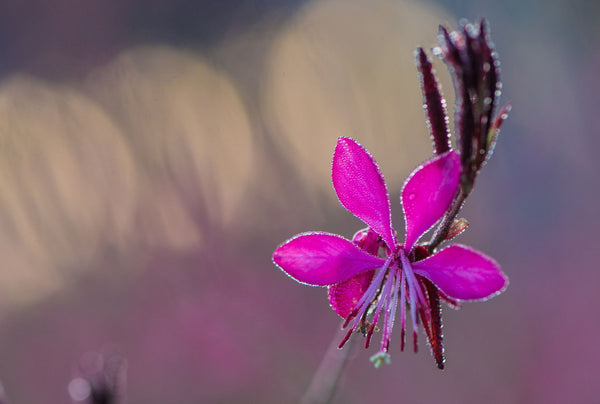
154 153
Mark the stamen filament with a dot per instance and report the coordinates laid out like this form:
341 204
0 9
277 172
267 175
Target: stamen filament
382 297
391 313
413 289
361 308
402 310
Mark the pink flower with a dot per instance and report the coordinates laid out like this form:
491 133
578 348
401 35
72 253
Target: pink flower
374 275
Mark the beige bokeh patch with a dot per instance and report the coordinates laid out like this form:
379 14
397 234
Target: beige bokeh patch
346 68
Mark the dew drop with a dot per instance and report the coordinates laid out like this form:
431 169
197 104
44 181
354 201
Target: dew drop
412 196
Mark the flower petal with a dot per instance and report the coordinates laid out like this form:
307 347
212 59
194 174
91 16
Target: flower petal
463 273
427 193
361 188
323 259
343 296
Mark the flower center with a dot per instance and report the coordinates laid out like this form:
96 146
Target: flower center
395 283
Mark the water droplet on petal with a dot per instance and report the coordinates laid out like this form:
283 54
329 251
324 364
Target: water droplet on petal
412 197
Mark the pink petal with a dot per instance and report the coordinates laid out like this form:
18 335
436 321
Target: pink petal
323 259
343 296
427 193
361 188
463 273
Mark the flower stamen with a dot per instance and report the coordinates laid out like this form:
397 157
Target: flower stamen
390 313
362 307
402 311
383 296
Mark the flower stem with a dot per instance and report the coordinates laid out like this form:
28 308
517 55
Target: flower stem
324 383
442 230
3 399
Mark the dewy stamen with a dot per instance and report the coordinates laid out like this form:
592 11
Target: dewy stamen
364 303
391 313
402 311
412 290
383 296
391 283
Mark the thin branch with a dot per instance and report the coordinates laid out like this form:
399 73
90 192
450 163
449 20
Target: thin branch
324 383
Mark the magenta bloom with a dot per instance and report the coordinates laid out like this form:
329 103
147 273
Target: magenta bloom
374 275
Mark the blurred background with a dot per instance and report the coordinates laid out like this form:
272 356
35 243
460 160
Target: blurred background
154 153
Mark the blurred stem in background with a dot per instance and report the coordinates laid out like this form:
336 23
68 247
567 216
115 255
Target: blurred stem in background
324 383
3 399
102 380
